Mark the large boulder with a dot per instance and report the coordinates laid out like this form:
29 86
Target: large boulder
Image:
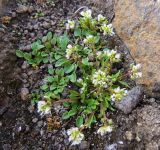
137 22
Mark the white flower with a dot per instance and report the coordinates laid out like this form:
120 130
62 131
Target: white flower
113 55
87 13
70 50
104 129
101 18
70 25
135 71
84 85
80 80
118 94
99 79
99 54
107 29
75 136
90 39
43 108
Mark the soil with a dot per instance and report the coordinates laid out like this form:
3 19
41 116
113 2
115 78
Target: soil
21 127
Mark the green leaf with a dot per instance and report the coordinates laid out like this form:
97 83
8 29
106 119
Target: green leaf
97 39
44 39
56 56
69 68
52 87
124 83
79 121
44 54
48 45
65 115
36 46
59 72
27 56
49 36
51 71
116 76
72 112
60 62
19 53
77 32
50 79
85 61
45 60
73 95
66 104
54 40
44 87
63 42
73 77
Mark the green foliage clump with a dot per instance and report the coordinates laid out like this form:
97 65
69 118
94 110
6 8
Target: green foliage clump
82 64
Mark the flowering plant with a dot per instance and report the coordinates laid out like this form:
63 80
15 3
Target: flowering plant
81 61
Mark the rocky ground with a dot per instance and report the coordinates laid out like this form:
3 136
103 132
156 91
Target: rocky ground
21 128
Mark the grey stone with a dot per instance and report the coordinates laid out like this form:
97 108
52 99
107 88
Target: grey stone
22 9
4 104
40 123
24 93
35 26
1 124
84 145
131 100
129 135
6 147
111 147
14 14
24 65
46 25
34 120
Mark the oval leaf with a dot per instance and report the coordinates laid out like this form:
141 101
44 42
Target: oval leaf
79 121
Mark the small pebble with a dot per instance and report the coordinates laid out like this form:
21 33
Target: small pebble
40 123
34 120
14 14
129 135
24 93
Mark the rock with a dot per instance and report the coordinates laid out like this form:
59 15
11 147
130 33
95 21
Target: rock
24 93
130 101
24 65
1 124
129 135
31 108
40 123
111 147
32 35
138 24
7 147
34 120
14 14
46 25
4 104
35 26
24 9
84 145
